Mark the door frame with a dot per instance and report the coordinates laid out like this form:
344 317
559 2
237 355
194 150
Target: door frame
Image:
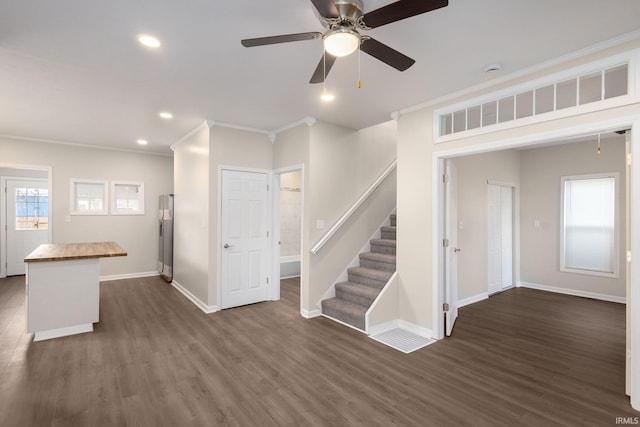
275 195
3 207
273 287
631 122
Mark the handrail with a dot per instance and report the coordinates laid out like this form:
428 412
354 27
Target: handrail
316 248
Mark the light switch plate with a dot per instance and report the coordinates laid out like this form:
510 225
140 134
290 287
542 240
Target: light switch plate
320 224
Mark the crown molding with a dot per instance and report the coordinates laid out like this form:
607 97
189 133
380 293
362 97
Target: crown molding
81 145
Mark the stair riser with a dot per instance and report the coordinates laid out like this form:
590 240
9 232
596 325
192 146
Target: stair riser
356 321
382 249
366 281
391 235
356 299
384 266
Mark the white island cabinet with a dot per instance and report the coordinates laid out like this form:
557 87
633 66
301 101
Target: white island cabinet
63 287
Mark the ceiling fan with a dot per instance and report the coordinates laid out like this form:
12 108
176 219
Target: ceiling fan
345 20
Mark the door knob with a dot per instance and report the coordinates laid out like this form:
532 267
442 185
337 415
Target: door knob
227 246
456 250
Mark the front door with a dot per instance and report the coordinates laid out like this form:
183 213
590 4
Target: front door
27 204
244 237
451 246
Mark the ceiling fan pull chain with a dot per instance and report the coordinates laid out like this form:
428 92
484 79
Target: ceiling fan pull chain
359 81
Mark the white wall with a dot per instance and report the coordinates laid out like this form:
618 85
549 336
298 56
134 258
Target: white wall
473 173
542 169
191 214
137 234
235 148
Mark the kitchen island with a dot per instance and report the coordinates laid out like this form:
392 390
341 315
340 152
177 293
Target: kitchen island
63 287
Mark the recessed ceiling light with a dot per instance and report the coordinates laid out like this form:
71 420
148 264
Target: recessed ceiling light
142 141
326 96
149 41
166 115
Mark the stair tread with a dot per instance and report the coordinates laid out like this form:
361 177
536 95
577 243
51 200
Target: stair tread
346 306
375 256
388 228
383 242
371 273
359 289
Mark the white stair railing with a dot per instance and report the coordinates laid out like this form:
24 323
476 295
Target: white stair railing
316 248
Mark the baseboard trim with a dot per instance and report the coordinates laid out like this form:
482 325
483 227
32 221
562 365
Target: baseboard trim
62 332
310 314
474 299
384 327
416 329
128 276
576 293
207 309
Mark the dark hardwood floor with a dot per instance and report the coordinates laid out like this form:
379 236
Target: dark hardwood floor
521 358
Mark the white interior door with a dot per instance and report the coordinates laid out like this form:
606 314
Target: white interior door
244 237
499 237
451 249
506 236
27 205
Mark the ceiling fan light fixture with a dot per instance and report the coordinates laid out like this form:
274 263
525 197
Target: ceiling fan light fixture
341 42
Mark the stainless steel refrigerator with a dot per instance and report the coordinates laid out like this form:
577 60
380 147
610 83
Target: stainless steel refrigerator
165 255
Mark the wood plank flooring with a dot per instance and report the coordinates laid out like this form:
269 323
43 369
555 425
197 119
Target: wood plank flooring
521 358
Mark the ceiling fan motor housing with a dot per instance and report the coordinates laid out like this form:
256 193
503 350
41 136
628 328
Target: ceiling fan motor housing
349 10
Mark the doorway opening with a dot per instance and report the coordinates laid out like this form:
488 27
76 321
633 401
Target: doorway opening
288 219
25 214
538 141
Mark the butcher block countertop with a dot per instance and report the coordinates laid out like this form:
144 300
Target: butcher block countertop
71 251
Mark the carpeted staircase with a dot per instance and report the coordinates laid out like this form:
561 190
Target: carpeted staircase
354 297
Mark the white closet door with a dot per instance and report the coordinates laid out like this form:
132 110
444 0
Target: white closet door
506 236
494 267
499 237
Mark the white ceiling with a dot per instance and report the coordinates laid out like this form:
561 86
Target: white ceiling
73 71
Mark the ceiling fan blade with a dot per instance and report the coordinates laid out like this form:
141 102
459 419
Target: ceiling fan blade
323 68
327 8
261 41
386 54
399 10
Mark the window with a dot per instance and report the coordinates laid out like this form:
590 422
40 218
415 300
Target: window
574 88
127 198
589 225
88 197
32 208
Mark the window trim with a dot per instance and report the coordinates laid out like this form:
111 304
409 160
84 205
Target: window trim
141 199
72 197
616 225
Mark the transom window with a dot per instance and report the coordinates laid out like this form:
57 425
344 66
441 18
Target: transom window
580 87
